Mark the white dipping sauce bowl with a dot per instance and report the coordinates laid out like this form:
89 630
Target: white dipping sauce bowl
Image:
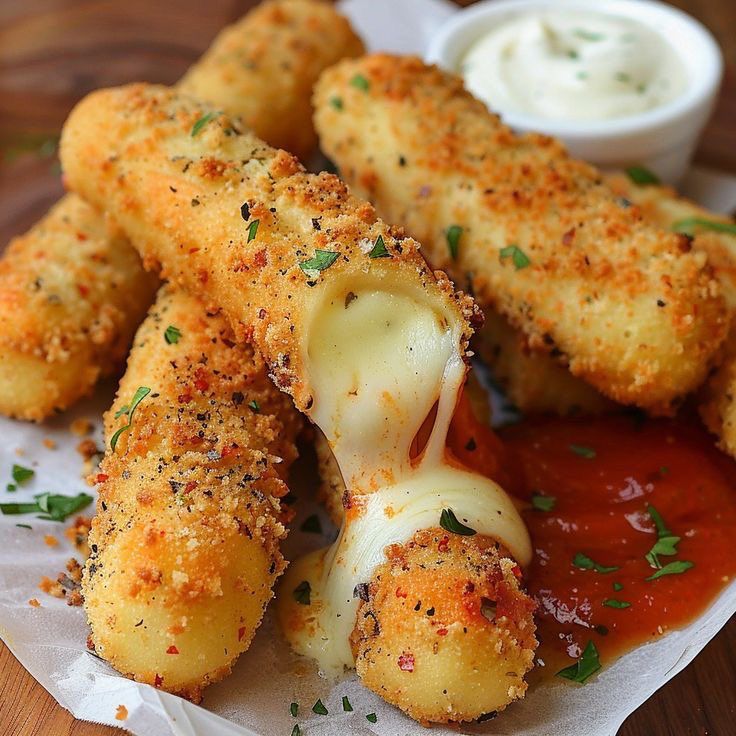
662 139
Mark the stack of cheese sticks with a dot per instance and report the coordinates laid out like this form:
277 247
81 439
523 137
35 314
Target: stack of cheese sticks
286 291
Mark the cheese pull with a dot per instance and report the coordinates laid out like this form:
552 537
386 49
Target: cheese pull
72 292
627 306
352 323
185 543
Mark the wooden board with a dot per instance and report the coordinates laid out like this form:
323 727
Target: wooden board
52 52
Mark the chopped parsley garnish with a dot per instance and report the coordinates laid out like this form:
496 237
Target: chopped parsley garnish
541 502
322 260
51 507
587 452
585 563
666 543
688 225
312 524
319 708
294 709
623 77
617 587
303 593
199 125
517 256
372 717
640 175
21 474
379 249
614 603
296 731
672 568
172 335
347 708
336 102
453 235
360 82
449 522
128 411
25 526
664 470
587 665
11 488
245 211
253 230
254 406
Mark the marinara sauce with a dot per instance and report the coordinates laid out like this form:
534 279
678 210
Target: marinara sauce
614 501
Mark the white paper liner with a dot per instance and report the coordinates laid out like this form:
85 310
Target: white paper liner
50 641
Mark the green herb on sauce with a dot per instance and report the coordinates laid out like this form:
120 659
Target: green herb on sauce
541 502
588 664
586 563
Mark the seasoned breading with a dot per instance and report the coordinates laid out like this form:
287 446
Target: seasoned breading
232 219
630 308
71 296
263 68
185 544
72 292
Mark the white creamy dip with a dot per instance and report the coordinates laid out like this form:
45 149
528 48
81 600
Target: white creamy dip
573 65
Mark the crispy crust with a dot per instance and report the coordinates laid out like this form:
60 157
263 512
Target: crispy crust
186 537
263 68
72 292
183 199
431 156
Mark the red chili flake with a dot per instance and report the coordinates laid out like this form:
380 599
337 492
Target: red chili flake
401 593
158 681
442 546
82 289
229 450
184 398
200 380
259 259
193 250
241 633
442 632
568 237
101 478
516 570
189 487
172 650
406 662
81 236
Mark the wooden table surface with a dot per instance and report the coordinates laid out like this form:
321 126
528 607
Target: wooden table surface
52 52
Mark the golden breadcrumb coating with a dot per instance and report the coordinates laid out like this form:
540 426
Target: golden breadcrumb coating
72 292
444 631
184 550
231 219
630 308
263 68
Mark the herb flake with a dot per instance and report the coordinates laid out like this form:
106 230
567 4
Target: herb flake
453 235
319 708
449 522
586 563
688 225
379 249
587 452
294 709
303 593
517 256
672 568
128 411
172 335
253 230
200 124
641 175
50 507
347 708
615 603
360 82
322 260
21 474
540 502
588 664
372 717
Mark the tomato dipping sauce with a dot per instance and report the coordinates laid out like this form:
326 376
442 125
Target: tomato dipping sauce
614 501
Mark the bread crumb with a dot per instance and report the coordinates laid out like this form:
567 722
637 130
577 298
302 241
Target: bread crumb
87 449
49 444
51 540
81 427
34 602
121 713
77 534
20 452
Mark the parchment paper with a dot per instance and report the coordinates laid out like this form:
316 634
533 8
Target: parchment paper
50 640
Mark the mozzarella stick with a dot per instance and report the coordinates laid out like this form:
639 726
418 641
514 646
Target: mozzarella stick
263 68
370 344
185 543
72 295
626 306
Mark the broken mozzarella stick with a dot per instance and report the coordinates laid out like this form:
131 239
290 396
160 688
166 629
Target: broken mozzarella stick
72 293
630 308
184 549
371 345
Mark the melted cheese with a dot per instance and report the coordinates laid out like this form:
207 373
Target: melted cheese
380 356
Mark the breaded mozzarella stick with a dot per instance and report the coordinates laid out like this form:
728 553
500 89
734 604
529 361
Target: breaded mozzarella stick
628 307
71 296
369 342
185 544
